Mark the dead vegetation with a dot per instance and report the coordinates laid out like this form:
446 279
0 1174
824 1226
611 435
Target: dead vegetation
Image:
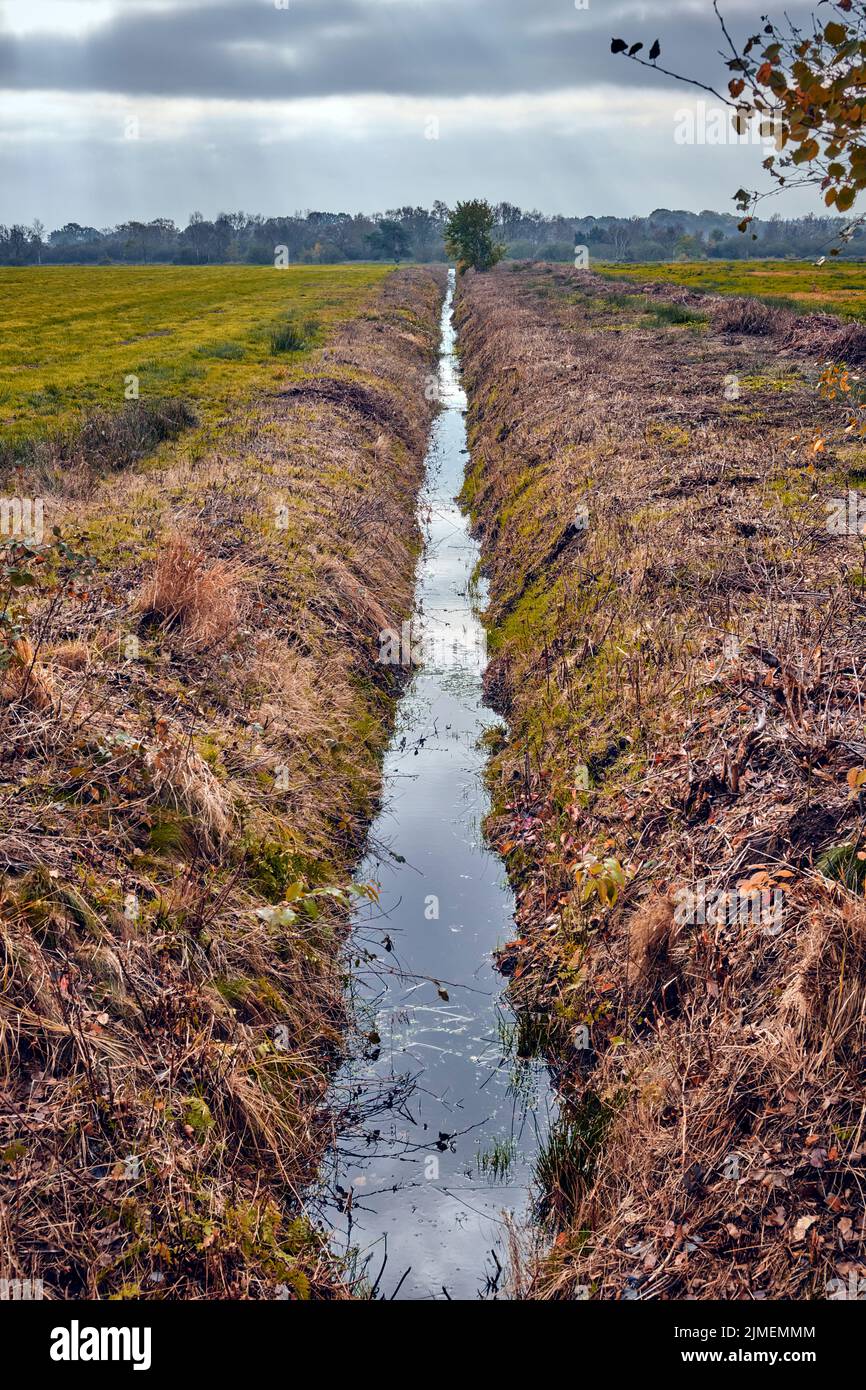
677 638
186 593
814 335
744 315
192 727
25 679
104 441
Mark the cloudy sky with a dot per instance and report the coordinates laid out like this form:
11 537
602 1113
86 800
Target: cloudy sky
118 109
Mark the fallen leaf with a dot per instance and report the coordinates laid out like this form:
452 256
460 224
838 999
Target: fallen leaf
802 1226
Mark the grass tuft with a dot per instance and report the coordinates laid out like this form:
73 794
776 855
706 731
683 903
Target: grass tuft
295 335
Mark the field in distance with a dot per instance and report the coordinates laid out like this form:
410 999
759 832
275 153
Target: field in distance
838 287
75 334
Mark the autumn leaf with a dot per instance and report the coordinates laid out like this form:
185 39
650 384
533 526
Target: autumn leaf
835 34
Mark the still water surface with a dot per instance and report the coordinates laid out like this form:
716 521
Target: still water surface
421 1173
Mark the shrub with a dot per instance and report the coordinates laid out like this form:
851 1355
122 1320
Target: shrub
294 335
743 315
823 336
105 440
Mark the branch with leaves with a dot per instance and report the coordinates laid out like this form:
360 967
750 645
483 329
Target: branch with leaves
806 86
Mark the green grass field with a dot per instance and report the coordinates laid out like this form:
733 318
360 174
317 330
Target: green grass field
74 334
838 287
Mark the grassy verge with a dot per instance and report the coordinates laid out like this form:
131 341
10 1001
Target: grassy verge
193 719
677 636
837 287
85 345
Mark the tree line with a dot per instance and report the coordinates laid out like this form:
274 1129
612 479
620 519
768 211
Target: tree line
419 234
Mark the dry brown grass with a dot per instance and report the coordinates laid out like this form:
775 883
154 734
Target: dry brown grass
165 1050
728 1053
182 780
732 314
823 336
203 600
72 656
25 679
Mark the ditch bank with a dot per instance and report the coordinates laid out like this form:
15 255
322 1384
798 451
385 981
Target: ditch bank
676 639
193 726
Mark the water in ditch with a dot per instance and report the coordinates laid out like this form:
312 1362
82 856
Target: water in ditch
448 1120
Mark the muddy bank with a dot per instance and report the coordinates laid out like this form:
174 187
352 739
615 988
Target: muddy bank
192 741
676 637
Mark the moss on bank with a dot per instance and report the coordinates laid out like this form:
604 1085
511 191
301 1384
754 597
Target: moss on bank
183 805
670 624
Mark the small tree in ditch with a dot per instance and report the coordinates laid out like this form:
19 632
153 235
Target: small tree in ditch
468 238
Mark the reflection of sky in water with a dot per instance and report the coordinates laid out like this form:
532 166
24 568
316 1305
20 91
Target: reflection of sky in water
419 1184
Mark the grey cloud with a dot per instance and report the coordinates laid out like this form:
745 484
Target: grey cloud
116 181
249 49
59 164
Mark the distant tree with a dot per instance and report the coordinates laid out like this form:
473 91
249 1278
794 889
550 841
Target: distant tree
390 240
37 238
135 240
325 237
805 86
18 243
508 217
198 234
72 234
424 230
221 236
468 236
688 248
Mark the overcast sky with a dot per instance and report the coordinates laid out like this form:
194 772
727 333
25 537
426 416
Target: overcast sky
120 109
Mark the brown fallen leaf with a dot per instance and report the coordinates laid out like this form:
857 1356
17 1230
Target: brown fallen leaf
802 1226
